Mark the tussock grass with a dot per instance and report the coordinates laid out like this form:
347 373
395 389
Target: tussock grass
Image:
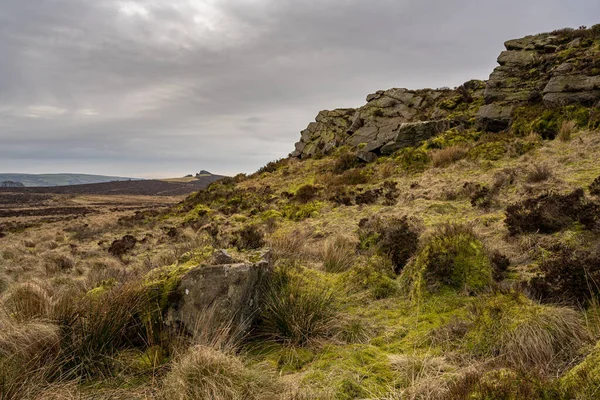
27 301
441 158
27 354
525 334
288 244
339 254
206 373
567 129
539 173
297 312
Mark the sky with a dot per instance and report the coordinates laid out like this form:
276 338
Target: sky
164 88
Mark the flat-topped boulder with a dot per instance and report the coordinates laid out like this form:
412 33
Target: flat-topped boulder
227 294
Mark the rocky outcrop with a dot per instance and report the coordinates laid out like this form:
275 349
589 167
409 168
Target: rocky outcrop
552 70
391 120
8 184
229 294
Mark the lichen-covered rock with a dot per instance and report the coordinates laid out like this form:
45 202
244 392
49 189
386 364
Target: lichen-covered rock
229 294
549 70
394 119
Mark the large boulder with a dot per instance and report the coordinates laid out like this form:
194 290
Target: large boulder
229 294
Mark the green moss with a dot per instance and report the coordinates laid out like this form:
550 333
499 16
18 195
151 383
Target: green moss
270 214
452 137
453 258
583 380
197 212
450 103
412 159
492 151
374 276
298 212
102 288
547 121
352 372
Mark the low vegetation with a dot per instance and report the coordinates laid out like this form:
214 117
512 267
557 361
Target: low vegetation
464 267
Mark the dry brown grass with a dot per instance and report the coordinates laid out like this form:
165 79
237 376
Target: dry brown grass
288 244
206 373
339 254
444 157
567 129
27 301
539 173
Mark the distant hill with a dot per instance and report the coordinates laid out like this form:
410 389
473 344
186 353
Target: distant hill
46 180
149 187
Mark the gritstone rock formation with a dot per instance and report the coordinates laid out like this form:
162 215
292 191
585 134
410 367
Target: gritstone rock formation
548 70
230 294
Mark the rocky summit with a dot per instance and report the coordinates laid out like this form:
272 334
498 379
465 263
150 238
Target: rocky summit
546 72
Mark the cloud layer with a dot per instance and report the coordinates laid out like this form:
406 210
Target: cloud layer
163 88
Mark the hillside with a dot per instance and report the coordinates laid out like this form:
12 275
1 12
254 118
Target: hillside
147 187
43 180
432 244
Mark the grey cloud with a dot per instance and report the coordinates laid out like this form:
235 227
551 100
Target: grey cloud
141 86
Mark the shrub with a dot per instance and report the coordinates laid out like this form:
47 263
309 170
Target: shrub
396 238
482 197
539 173
551 213
120 247
595 187
355 176
346 159
390 193
297 312
567 128
273 166
449 155
568 276
339 253
453 257
368 197
248 238
206 373
306 193
525 334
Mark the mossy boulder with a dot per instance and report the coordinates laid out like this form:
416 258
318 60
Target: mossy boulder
228 295
452 258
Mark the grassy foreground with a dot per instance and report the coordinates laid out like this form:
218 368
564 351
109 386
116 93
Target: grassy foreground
467 268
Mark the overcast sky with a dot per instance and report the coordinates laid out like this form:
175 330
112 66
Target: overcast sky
160 88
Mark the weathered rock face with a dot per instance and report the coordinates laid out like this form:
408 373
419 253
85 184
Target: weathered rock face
11 184
391 120
553 70
229 293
